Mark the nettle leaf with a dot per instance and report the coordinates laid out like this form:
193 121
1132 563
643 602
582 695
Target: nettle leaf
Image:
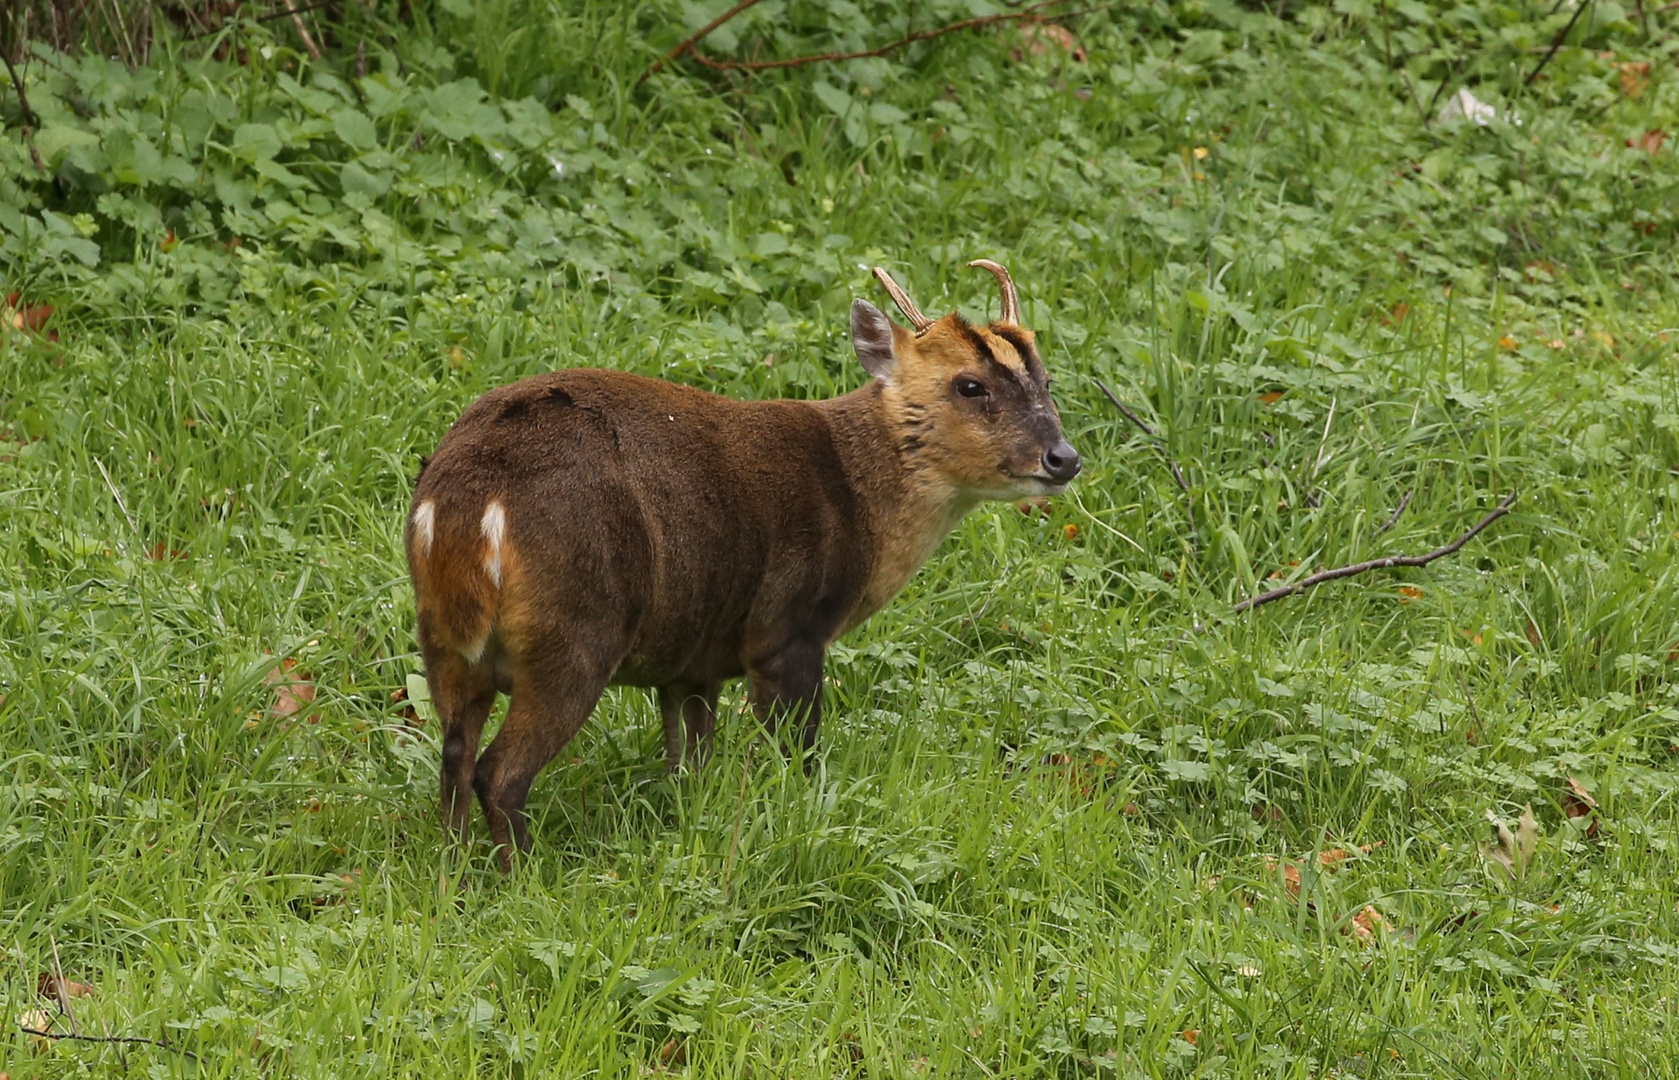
53 140
256 142
356 180
458 111
355 128
838 101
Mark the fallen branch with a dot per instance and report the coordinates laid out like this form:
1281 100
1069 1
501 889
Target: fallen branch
72 1037
1404 501
1379 564
908 39
1159 448
30 120
1557 44
693 39
302 31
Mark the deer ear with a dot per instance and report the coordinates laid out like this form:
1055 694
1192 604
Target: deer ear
871 336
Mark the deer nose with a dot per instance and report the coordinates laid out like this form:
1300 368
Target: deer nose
1061 462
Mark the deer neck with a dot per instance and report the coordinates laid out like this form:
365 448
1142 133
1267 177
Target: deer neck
911 507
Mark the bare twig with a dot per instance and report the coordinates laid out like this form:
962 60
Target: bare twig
302 31
30 120
73 1037
1557 43
288 12
1159 448
908 39
59 989
1379 564
693 39
1404 501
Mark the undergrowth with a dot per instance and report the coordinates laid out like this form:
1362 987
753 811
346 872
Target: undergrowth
1071 817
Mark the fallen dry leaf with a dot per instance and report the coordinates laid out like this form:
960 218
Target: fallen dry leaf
37 1020
1271 397
1367 922
1635 77
1577 802
58 988
1513 852
1070 531
1291 874
1040 36
1408 593
1248 971
1191 1035
674 1054
294 691
1650 142
1332 858
1507 342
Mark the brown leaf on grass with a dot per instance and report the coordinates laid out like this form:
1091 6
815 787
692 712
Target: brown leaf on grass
398 697
1271 397
161 551
1040 37
58 988
1367 922
1291 874
1577 802
674 1054
1650 142
1635 77
37 1020
1396 314
1191 1035
1513 851
294 691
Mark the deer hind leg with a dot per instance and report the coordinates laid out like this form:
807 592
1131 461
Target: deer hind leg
462 692
552 697
689 711
787 686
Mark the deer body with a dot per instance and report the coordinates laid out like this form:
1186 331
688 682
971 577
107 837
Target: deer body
584 528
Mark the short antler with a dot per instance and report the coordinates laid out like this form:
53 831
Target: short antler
1011 299
905 304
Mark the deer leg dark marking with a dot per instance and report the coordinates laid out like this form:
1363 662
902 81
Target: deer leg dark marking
462 693
689 711
552 697
787 685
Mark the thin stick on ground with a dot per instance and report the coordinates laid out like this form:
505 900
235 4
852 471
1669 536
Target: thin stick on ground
693 39
908 39
1404 501
1159 448
30 120
73 1037
303 31
1379 564
1557 44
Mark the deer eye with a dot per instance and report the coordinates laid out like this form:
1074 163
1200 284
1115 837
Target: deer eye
971 388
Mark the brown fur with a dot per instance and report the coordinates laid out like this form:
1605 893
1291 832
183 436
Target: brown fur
586 527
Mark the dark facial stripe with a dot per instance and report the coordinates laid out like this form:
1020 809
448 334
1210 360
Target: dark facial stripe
1028 355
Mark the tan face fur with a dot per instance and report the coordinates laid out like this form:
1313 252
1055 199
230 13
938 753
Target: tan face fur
971 405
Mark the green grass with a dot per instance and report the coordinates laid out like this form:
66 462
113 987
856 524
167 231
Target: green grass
1059 787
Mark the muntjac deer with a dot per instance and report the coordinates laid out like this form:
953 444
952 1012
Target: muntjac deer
586 527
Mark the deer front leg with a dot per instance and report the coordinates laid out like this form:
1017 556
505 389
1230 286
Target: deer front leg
787 686
689 711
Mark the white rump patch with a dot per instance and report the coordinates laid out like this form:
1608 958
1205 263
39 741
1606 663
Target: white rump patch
425 525
495 535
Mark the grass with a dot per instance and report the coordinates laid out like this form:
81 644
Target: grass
1067 809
